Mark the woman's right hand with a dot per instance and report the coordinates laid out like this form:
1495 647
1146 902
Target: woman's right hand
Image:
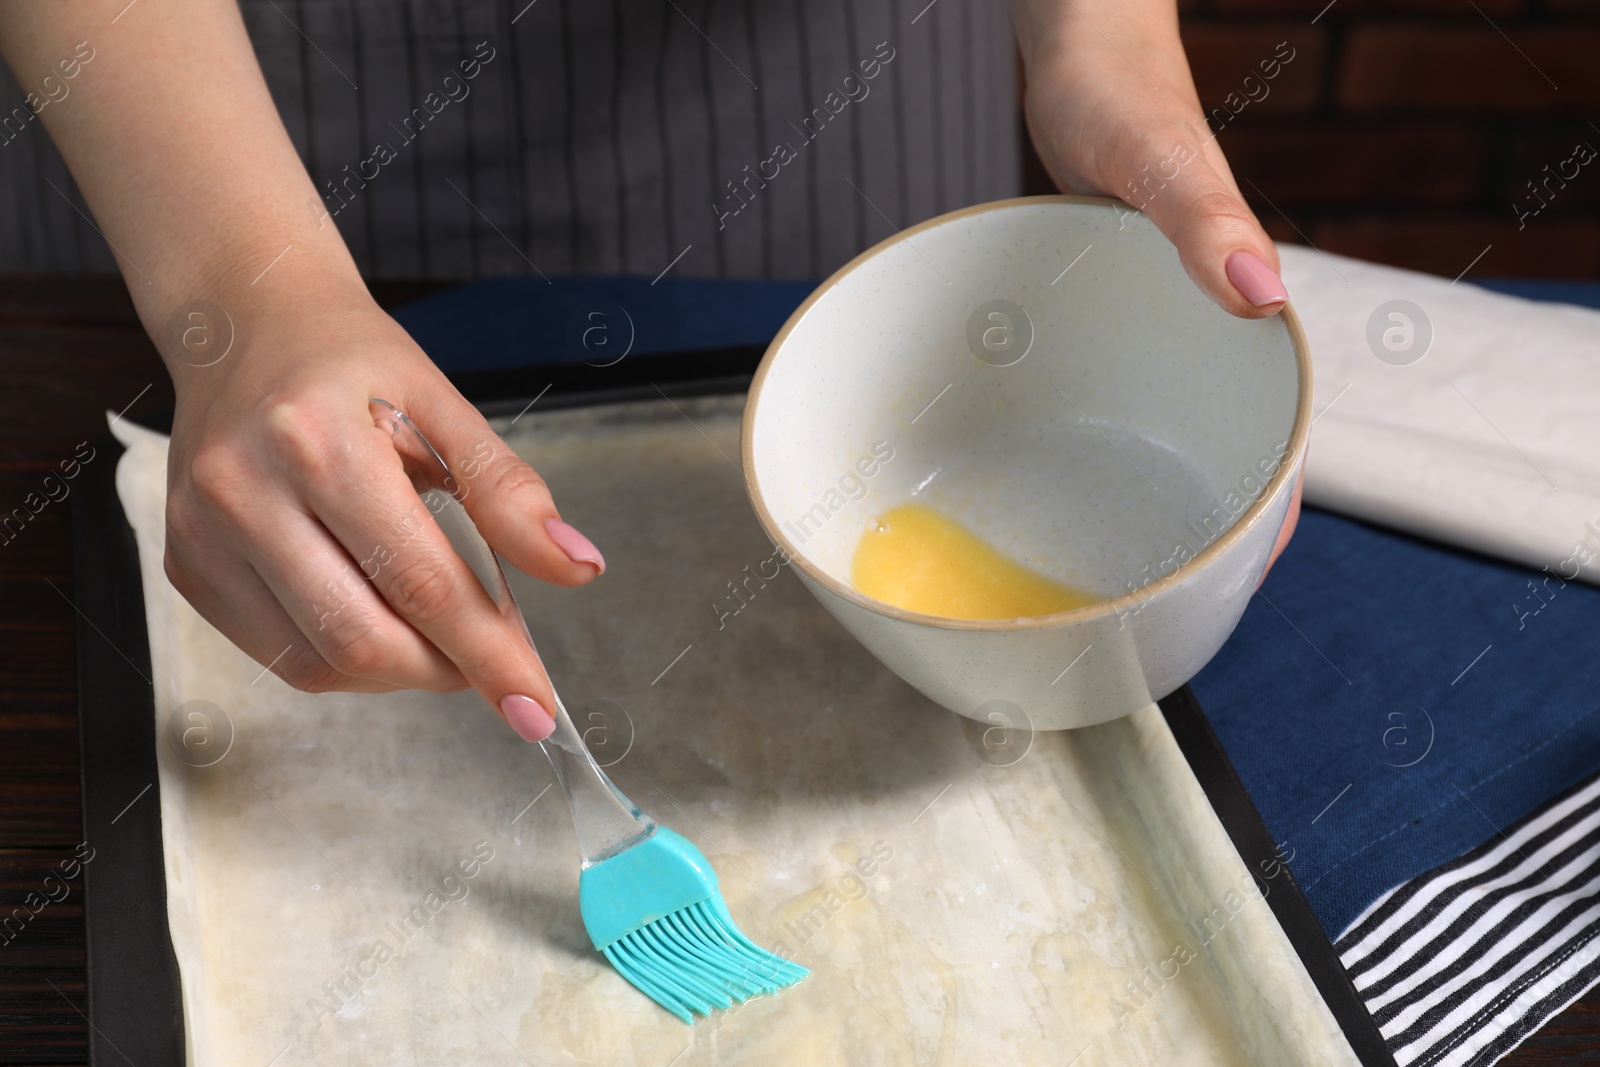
293 529
280 487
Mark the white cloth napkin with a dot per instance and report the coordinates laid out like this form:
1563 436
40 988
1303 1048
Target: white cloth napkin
1489 441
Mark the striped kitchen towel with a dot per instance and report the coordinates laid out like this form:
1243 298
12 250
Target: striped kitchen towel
1463 962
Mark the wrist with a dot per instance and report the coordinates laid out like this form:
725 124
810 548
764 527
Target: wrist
1141 34
254 299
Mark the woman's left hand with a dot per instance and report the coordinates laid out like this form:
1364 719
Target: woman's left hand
1113 111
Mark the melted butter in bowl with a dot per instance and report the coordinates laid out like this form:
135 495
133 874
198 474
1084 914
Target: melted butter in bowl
916 558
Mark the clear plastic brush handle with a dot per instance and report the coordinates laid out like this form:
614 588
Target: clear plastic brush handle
606 821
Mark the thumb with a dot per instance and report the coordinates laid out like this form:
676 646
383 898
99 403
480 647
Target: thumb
507 499
1191 197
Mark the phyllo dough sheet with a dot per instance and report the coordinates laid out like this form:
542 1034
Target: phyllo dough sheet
393 879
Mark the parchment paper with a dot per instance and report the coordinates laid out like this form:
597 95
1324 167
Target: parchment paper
390 879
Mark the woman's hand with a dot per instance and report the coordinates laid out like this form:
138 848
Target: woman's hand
292 527
1113 111
291 524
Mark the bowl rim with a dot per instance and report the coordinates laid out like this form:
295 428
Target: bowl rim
1299 434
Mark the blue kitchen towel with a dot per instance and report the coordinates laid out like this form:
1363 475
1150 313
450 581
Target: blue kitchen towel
1389 703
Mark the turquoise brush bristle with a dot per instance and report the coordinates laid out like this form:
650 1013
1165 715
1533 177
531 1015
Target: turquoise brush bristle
655 911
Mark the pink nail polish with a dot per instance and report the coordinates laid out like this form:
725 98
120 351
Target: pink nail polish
577 547
527 717
1258 282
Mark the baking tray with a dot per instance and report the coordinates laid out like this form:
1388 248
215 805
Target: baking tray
133 985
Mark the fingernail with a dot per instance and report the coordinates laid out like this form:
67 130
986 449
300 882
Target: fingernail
577 547
527 717
1258 282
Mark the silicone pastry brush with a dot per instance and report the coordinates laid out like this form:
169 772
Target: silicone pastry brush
649 897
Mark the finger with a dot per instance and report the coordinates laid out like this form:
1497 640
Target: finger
422 578
251 617
507 499
325 592
1286 531
1185 188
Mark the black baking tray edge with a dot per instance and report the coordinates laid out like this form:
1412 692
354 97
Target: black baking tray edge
1249 833
135 1005
135 1010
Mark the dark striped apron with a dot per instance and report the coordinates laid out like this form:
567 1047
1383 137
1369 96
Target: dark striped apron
749 138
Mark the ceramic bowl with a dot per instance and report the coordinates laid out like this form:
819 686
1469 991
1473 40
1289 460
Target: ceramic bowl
1043 371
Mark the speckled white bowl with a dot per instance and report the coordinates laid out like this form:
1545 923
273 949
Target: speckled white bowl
1044 371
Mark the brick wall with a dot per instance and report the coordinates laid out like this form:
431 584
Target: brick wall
1407 131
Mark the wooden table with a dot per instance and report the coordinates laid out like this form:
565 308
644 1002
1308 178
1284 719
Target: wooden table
71 348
